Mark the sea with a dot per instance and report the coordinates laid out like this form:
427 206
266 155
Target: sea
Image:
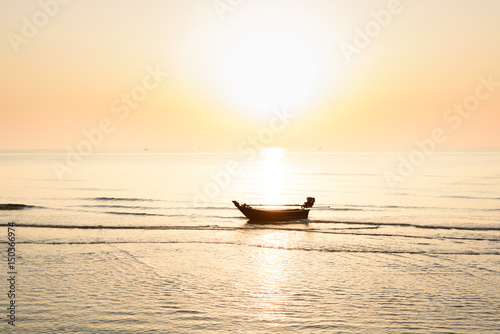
150 242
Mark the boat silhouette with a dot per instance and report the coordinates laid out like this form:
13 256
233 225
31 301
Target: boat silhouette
266 213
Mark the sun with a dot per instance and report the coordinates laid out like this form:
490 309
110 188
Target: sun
268 69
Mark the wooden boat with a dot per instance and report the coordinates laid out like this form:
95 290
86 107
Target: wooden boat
268 213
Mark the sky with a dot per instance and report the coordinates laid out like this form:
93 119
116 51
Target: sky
225 74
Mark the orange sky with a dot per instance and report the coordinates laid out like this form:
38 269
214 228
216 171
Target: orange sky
210 73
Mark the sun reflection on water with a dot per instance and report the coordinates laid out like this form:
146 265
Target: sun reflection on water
273 174
272 276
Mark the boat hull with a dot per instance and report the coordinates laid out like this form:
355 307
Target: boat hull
264 215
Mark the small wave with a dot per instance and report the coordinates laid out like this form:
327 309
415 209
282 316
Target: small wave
117 227
11 206
374 207
347 230
434 227
136 213
306 249
206 207
345 209
125 199
114 207
473 197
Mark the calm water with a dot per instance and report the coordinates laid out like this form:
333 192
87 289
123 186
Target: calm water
149 242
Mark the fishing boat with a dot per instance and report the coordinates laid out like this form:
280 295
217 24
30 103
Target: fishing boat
265 213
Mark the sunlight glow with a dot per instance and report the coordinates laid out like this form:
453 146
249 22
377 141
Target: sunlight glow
266 69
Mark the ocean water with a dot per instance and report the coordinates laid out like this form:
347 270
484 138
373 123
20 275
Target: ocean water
149 242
